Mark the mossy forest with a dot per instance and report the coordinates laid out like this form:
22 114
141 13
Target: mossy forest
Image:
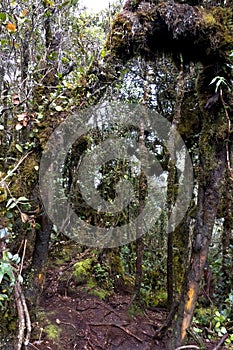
116 175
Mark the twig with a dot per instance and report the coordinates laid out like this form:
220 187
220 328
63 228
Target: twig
24 317
20 310
117 326
87 251
33 346
16 167
110 309
221 342
187 347
27 318
228 133
23 256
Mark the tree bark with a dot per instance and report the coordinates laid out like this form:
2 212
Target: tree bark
39 260
208 200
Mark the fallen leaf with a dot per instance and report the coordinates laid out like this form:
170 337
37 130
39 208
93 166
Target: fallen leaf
24 217
18 126
24 13
21 116
11 27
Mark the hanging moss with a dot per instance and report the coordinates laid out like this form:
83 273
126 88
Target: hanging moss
203 35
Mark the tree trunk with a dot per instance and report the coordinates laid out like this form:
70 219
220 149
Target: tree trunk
212 164
39 259
227 237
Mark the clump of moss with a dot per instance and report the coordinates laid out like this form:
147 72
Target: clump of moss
93 289
53 331
82 271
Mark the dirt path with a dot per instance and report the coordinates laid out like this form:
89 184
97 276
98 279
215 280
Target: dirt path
72 319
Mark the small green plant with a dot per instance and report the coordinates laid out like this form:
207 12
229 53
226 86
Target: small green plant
220 81
216 321
101 274
7 275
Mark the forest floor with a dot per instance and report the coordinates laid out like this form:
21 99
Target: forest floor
69 317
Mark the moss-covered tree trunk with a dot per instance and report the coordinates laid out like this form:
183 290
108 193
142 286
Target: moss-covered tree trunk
203 35
226 278
212 167
39 259
43 232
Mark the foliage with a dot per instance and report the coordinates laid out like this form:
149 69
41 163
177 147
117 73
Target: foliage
54 61
211 322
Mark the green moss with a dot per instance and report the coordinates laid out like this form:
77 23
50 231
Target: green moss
208 19
115 262
100 293
157 299
93 289
53 331
82 270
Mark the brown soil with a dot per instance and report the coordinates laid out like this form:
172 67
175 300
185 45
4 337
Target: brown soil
85 322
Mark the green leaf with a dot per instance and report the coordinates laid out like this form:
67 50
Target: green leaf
40 116
10 201
22 199
4 42
3 16
3 296
9 215
223 330
37 226
59 108
19 148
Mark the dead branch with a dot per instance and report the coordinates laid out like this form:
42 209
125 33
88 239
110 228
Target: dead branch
20 311
117 326
33 346
108 308
27 319
221 342
24 317
184 347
